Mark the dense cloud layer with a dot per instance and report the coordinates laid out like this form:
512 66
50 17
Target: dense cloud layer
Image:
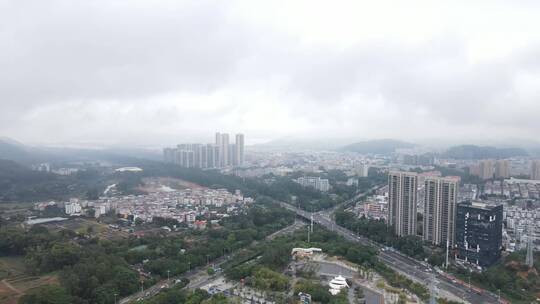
157 72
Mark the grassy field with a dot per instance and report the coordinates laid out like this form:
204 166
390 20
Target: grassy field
12 206
82 225
10 266
14 282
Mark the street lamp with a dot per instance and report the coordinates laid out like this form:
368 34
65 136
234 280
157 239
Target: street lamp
168 272
470 278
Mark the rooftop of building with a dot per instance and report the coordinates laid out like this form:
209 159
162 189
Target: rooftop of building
396 172
444 178
479 205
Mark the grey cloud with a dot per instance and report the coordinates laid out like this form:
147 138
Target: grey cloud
435 77
80 50
102 66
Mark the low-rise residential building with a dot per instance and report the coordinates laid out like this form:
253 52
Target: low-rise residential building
375 207
72 208
321 184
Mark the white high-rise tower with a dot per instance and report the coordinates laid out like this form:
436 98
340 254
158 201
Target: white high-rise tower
402 194
440 202
239 150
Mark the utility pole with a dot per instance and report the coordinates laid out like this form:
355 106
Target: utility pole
115 298
168 272
142 287
308 235
207 259
470 279
311 222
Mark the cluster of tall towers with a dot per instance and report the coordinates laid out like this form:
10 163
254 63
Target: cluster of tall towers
440 200
230 154
220 154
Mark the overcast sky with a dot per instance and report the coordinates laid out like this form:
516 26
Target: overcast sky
159 72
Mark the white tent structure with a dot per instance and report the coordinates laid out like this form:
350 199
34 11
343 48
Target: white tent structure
337 284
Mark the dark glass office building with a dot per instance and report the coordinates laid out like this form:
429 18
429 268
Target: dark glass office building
479 233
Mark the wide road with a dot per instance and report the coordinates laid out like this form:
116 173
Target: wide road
396 260
198 272
156 288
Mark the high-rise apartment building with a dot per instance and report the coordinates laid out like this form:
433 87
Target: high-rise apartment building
402 195
502 168
479 233
535 169
440 201
219 147
232 155
225 149
486 169
212 155
239 149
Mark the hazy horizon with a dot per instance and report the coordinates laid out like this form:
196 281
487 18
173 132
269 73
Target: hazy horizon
156 73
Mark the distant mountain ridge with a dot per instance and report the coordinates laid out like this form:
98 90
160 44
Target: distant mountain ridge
482 152
15 151
26 155
19 183
379 146
293 143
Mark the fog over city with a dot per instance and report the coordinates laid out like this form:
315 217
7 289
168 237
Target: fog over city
161 72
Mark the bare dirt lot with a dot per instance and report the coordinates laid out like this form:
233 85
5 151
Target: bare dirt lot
159 184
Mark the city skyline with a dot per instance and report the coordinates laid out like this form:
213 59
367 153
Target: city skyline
220 154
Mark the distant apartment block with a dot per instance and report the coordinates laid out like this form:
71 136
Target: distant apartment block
321 184
502 168
535 169
402 196
361 169
239 149
221 154
440 201
520 224
479 233
486 169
